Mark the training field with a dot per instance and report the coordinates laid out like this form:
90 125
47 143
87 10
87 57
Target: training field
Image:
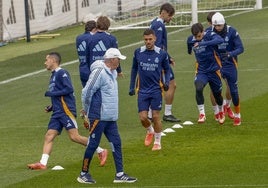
195 156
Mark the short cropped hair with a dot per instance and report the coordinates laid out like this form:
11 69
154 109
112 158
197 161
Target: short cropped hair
149 32
90 25
197 28
56 56
103 23
209 16
167 7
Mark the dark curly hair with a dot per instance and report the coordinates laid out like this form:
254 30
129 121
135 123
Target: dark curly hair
90 25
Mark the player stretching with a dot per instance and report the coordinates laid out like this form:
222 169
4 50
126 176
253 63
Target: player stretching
204 45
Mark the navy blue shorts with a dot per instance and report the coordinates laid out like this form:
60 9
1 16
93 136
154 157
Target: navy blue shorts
57 123
153 100
213 78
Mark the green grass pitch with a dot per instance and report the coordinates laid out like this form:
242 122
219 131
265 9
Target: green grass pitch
195 156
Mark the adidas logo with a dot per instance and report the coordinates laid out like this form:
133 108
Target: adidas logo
99 47
68 124
82 47
12 17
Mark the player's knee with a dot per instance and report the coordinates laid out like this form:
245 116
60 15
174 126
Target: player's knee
74 138
143 117
199 86
173 86
50 135
172 83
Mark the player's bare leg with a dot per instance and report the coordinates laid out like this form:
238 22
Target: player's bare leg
227 102
157 130
146 123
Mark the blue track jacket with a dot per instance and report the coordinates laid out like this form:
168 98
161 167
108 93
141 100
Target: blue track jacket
100 95
62 93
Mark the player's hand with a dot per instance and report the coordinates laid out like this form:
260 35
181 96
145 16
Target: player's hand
131 92
86 122
83 115
120 75
196 44
166 87
172 62
48 108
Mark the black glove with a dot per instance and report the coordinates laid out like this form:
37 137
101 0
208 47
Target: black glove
47 94
48 108
166 87
131 92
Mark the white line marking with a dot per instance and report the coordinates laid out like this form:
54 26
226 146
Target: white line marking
64 64
32 73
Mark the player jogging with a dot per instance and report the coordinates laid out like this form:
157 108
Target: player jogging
204 45
149 63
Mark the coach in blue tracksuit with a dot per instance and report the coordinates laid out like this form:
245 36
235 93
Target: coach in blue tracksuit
84 70
228 52
204 45
100 102
151 71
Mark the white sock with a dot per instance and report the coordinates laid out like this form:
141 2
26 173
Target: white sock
215 109
44 159
237 115
99 149
119 174
201 109
150 129
157 138
228 102
221 108
168 108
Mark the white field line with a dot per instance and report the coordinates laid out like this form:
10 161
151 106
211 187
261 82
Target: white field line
64 64
32 73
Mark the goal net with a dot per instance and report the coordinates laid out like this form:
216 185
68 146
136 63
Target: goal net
139 13
47 15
